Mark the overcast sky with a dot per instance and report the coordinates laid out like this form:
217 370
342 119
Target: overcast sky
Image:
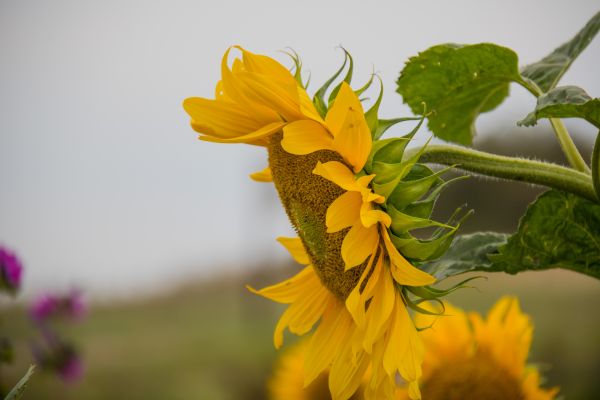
104 185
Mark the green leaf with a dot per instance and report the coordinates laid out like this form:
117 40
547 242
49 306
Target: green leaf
559 230
17 391
565 102
467 253
457 83
547 72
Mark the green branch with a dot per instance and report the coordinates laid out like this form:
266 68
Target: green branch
510 168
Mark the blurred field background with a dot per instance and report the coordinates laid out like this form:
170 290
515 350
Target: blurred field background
213 340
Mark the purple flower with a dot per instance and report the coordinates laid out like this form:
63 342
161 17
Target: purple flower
71 369
10 271
71 305
59 357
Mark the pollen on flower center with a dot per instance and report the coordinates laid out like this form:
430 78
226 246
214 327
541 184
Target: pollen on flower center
306 198
477 377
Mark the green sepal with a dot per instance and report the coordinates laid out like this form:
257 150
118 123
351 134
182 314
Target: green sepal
394 149
384 124
298 66
423 250
347 79
319 97
404 222
372 114
414 305
424 208
430 293
408 191
366 86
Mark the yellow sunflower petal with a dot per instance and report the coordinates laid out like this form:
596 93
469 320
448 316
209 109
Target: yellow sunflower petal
346 373
380 309
303 313
358 297
250 137
370 217
345 100
307 107
220 118
265 65
296 249
282 97
337 173
334 329
359 243
404 272
404 351
237 91
289 290
262 176
354 140
343 212
305 136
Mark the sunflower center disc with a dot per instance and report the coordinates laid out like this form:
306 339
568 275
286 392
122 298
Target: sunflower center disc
478 377
306 197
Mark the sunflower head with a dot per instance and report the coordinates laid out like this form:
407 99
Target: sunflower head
469 356
358 204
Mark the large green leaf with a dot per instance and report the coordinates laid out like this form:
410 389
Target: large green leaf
467 253
565 102
559 230
457 83
547 72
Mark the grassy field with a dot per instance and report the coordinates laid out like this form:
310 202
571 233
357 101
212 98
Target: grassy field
212 340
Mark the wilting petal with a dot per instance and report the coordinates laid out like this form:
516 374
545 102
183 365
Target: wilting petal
359 243
304 137
404 272
343 212
262 176
296 249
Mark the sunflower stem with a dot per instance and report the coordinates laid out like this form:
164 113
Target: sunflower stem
510 168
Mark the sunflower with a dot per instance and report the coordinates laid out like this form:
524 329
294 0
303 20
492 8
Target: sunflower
353 200
286 383
469 357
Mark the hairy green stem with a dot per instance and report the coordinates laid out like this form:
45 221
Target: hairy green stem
511 168
560 130
569 148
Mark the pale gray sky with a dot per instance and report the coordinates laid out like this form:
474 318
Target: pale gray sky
103 183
